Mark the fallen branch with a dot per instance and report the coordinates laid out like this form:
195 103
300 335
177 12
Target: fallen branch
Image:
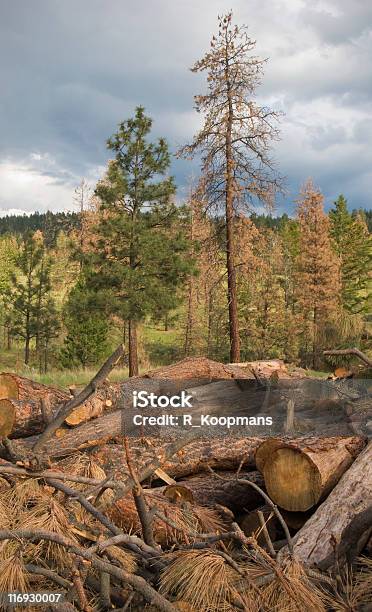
85 503
351 351
137 582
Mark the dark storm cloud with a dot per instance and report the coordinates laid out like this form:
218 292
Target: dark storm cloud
72 69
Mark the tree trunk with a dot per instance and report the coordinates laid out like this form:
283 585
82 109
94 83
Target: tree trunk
299 473
340 527
27 350
218 453
230 251
133 348
190 319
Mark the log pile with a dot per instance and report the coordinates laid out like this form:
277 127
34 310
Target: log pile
136 522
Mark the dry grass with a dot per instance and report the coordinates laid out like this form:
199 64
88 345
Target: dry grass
124 558
363 580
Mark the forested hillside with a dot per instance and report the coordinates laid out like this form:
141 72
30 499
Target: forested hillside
303 285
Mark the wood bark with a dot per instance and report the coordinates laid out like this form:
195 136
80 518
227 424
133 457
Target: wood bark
299 473
17 387
219 454
28 406
133 348
341 525
198 368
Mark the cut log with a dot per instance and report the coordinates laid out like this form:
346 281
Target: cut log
340 527
198 368
299 473
7 418
220 454
30 410
66 442
271 369
28 416
17 387
195 458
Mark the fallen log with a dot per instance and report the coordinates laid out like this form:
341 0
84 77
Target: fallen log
17 387
341 525
65 442
196 457
32 414
298 473
198 368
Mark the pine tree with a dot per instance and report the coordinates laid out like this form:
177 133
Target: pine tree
318 277
139 256
353 245
8 256
31 290
233 142
87 327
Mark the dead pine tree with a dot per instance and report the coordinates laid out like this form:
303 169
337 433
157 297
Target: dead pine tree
233 142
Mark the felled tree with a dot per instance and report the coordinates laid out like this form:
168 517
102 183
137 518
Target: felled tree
233 142
353 245
139 256
318 277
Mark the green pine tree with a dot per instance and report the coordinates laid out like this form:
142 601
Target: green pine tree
87 328
139 256
31 292
353 245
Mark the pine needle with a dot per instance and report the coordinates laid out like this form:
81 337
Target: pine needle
202 579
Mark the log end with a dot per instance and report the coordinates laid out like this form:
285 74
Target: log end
8 386
292 480
7 417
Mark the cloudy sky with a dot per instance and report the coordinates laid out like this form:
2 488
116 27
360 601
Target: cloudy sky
72 69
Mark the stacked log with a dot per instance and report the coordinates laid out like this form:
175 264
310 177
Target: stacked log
34 404
342 525
30 401
299 473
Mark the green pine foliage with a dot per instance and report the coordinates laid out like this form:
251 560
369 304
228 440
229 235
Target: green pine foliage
30 305
139 257
353 245
86 342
